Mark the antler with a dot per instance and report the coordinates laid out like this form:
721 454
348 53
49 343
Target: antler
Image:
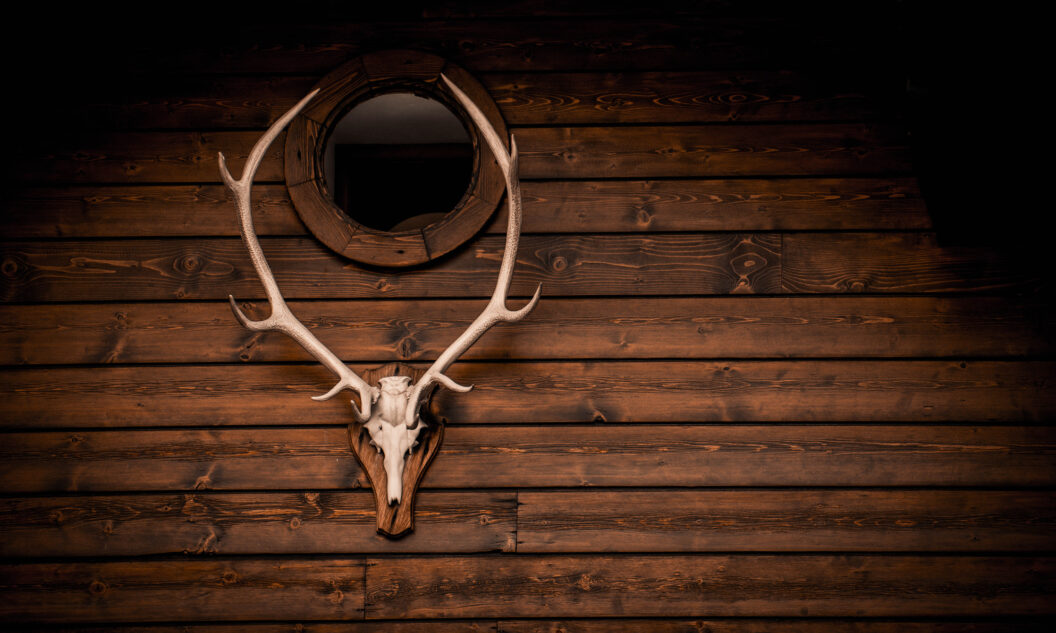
282 319
496 311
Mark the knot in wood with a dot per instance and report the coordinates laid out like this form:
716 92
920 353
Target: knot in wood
188 264
11 267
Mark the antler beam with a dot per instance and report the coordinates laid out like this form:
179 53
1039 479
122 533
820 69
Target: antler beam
282 318
496 310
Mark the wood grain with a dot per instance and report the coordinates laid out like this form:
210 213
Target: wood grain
346 626
712 151
125 270
243 524
231 101
160 591
901 263
587 152
566 265
704 586
585 43
318 458
586 206
685 328
767 625
131 211
545 392
784 520
147 157
660 520
606 625
686 97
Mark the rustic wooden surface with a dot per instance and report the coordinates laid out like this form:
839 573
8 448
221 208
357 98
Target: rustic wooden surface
604 328
560 152
592 585
538 456
546 392
770 385
553 206
539 521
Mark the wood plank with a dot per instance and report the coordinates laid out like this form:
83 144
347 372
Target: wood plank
768 625
218 102
347 626
143 211
524 44
721 205
190 590
688 97
606 625
587 152
127 270
685 328
706 586
547 522
266 523
318 458
566 265
688 151
897 262
147 157
550 207
545 392
784 520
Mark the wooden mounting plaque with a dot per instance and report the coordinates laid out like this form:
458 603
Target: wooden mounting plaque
397 520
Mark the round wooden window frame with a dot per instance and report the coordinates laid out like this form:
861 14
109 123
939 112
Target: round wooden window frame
371 75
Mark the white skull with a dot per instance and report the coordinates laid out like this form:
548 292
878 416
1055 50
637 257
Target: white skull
391 439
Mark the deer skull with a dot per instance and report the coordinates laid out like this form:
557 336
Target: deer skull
390 410
389 432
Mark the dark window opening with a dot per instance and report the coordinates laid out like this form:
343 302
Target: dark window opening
398 162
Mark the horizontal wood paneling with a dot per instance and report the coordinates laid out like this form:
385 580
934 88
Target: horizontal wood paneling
606 625
589 43
292 523
661 391
318 458
148 157
549 207
784 520
526 586
900 262
747 204
768 625
712 151
711 327
580 152
530 586
133 211
687 97
659 520
216 102
213 269
346 626
584 265
161 591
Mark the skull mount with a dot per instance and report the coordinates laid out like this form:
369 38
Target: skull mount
396 474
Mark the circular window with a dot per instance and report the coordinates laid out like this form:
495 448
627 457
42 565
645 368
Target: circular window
385 168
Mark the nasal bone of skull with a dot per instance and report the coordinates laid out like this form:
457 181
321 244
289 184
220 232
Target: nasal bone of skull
395 443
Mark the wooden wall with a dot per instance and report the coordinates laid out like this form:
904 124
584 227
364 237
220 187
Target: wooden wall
760 393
